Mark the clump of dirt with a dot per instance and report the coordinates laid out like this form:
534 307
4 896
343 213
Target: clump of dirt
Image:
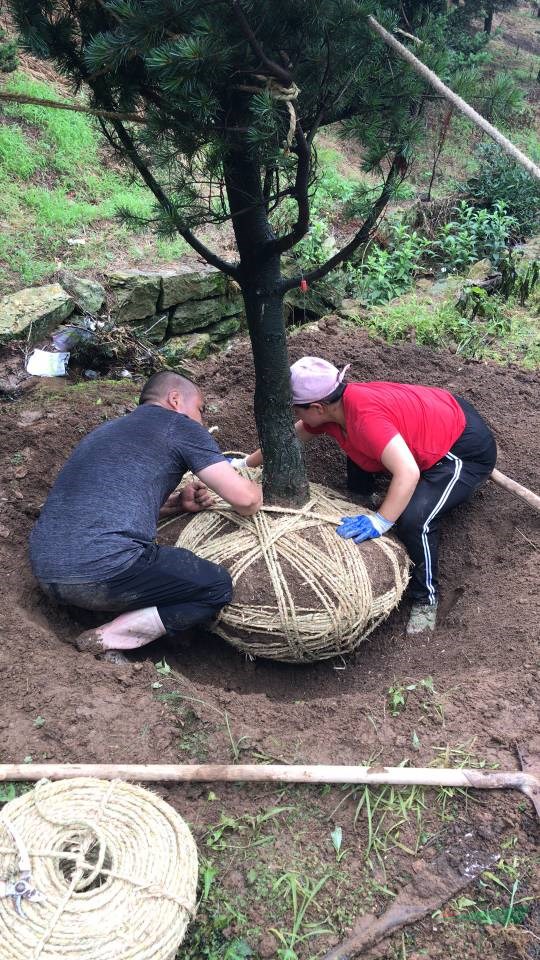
463 695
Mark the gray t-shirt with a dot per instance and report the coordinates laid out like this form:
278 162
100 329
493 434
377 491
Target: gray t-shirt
103 509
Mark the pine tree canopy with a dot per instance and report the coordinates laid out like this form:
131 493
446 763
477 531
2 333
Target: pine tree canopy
216 80
231 94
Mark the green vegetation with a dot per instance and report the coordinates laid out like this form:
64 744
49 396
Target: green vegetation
60 199
510 334
500 180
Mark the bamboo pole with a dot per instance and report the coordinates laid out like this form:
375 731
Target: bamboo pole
516 488
265 773
453 98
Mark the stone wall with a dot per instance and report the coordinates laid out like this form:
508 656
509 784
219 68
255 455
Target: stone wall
184 312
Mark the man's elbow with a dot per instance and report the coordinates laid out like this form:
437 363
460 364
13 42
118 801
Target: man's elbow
413 474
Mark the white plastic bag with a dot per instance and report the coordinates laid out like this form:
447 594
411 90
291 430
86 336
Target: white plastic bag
42 363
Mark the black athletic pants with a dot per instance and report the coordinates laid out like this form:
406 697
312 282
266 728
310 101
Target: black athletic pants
185 588
450 481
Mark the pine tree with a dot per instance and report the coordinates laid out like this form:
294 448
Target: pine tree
232 94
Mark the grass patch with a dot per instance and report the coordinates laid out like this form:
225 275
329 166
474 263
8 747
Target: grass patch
58 185
510 334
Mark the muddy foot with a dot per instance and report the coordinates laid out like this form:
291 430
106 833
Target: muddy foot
89 642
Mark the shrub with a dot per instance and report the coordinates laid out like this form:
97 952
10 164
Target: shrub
385 273
472 235
501 179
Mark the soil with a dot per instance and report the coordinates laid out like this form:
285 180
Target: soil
470 690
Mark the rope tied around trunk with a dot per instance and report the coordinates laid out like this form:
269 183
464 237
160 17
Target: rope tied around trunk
301 593
116 864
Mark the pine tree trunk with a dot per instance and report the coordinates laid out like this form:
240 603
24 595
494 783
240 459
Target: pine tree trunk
284 476
488 20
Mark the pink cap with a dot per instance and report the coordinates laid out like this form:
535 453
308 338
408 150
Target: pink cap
313 379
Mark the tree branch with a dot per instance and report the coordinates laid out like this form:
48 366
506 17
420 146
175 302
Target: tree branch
56 105
216 261
300 193
360 237
280 73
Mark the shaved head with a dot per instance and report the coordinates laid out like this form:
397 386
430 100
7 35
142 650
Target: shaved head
158 387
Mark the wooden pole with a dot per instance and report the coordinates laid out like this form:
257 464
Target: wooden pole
266 773
516 488
453 98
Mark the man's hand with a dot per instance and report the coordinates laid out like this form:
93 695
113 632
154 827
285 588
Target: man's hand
193 498
362 528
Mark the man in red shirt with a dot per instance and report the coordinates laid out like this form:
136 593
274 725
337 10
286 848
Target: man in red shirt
436 448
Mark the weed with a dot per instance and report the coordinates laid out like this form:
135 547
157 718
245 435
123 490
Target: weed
248 826
163 668
397 699
9 790
337 839
301 894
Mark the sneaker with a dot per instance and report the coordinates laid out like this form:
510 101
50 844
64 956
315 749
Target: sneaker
422 618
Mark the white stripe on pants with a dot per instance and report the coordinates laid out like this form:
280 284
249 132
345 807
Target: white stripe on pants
425 530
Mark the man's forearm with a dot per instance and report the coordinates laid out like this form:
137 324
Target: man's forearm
400 491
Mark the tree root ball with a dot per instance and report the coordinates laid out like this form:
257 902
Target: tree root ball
301 593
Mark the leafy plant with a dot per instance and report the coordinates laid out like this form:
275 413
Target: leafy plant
472 235
501 179
387 272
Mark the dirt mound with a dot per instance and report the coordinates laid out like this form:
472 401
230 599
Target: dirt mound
469 689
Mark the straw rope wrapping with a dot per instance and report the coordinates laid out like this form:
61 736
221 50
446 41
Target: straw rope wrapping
117 865
301 592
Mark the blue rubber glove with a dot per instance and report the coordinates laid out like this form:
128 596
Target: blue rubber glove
362 528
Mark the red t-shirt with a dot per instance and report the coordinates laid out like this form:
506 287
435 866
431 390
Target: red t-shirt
430 421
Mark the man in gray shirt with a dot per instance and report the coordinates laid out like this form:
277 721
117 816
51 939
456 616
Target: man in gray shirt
94 543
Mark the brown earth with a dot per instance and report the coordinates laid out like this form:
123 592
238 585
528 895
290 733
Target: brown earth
58 705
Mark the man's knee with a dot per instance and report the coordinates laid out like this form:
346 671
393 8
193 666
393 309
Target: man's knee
412 520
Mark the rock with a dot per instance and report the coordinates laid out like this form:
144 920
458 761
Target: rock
531 249
323 296
198 314
195 346
34 312
89 295
353 310
137 295
153 329
224 328
480 270
189 283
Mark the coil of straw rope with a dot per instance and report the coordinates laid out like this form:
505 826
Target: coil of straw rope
116 864
301 593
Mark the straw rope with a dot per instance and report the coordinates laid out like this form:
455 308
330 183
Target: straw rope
280 552
118 868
